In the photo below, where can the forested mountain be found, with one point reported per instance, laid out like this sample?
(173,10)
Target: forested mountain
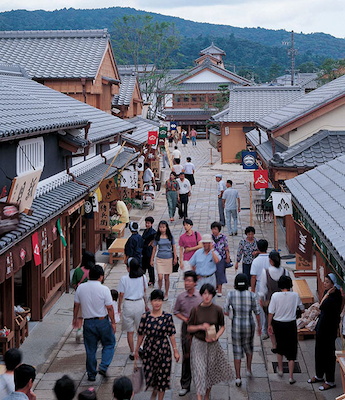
(254,52)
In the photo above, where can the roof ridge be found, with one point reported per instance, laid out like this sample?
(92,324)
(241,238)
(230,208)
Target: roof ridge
(54,33)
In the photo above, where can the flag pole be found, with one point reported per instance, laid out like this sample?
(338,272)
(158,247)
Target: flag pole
(251,203)
(275,233)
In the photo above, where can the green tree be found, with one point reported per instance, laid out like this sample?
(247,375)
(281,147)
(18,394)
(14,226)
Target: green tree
(222,97)
(149,46)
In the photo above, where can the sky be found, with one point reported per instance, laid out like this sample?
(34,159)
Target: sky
(305,16)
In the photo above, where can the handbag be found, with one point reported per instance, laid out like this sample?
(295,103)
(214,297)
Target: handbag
(137,378)
(176,266)
(229,264)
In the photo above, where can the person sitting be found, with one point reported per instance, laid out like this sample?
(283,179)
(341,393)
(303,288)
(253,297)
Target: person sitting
(12,358)
(24,376)
(64,388)
(123,388)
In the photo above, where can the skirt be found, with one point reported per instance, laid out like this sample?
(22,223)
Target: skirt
(220,272)
(164,266)
(191,179)
(209,365)
(286,336)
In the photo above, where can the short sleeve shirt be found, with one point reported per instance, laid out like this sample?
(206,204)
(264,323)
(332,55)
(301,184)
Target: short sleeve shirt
(204,264)
(230,195)
(165,248)
(185,186)
(189,241)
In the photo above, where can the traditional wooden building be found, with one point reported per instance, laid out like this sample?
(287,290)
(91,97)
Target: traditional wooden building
(192,97)
(75,145)
(302,134)
(246,106)
(79,63)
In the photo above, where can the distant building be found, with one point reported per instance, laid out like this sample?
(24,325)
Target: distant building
(305,80)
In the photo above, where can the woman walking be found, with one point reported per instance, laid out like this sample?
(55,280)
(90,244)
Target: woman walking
(221,246)
(132,288)
(326,334)
(165,249)
(282,322)
(244,304)
(209,364)
(157,331)
(171,191)
(248,250)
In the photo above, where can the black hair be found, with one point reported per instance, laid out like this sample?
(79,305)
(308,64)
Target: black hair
(175,147)
(134,227)
(134,268)
(96,272)
(88,260)
(262,245)
(241,282)
(168,232)
(275,257)
(88,394)
(229,181)
(217,225)
(146,165)
(249,229)
(284,282)
(191,274)
(22,375)
(122,388)
(157,294)
(149,219)
(188,221)
(64,388)
(12,358)
(208,287)
(188,159)
(114,294)
(177,161)
(174,173)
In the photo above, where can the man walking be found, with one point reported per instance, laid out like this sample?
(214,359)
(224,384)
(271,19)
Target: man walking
(230,197)
(148,236)
(99,322)
(193,134)
(189,243)
(189,170)
(185,302)
(220,190)
(204,262)
(176,154)
(135,243)
(183,194)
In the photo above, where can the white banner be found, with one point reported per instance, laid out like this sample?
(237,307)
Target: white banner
(281,204)
(129,179)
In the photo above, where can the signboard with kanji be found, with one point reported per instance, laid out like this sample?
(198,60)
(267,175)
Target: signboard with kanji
(109,190)
(23,189)
(304,243)
(129,179)
(103,215)
(302,264)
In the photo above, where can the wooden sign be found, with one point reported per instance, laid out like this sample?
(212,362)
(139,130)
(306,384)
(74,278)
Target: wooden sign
(302,264)
(23,189)
(103,215)
(304,243)
(109,190)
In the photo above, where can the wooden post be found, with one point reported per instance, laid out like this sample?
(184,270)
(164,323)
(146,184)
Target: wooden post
(275,232)
(211,163)
(251,204)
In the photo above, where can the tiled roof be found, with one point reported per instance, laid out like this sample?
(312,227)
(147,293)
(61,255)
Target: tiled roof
(319,194)
(198,87)
(139,135)
(263,146)
(305,105)
(316,150)
(58,107)
(128,81)
(248,104)
(304,80)
(212,50)
(56,201)
(24,112)
(55,54)
(189,111)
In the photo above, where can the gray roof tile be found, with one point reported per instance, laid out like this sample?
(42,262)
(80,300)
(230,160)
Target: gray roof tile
(320,193)
(212,49)
(55,54)
(143,126)
(128,81)
(197,87)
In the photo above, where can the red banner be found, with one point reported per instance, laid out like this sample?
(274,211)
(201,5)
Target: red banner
(152,137)
(36,249)
(261,179)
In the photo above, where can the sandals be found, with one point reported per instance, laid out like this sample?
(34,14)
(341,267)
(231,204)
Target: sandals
(326,386)
(315,379)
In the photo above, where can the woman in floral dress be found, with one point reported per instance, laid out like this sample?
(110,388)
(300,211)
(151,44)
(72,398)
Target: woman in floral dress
(248,249)
(222,247)
(157,330)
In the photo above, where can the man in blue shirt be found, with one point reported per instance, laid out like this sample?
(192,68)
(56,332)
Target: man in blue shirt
(204,262)
(134,244)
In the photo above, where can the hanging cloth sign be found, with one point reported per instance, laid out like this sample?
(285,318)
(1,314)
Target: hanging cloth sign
(152,137)
(36,249)
(261,179)
(281,204)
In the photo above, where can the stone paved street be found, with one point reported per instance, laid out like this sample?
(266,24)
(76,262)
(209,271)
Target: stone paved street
(52,346)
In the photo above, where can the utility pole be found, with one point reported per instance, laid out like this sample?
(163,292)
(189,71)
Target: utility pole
(292,52)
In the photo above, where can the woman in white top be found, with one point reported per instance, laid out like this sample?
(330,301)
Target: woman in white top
(177,167)
(282,322)
(132,288)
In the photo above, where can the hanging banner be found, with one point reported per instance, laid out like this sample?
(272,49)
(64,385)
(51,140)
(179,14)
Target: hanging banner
(261,179)
(173,126)
(163,132)
(281,204)
(304,243)
(36,249)
(129,179)
(152,137)
(249,160)
(62,236)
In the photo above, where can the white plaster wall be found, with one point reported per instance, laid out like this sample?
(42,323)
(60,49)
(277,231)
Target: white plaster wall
(206,76)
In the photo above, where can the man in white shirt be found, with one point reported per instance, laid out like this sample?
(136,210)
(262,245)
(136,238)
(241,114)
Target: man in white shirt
(220,190)
(230,198)
(176,154)
(183,194)
(99,321)
(148,176)
(189,169)
(260,263)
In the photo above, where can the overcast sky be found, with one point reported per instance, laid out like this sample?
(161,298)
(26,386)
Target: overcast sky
(299,15)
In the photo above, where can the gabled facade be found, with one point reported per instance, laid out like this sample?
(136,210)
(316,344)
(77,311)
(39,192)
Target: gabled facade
(78,63)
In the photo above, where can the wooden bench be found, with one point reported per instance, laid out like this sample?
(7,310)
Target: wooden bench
(116,250)
(301,287)
(119,229)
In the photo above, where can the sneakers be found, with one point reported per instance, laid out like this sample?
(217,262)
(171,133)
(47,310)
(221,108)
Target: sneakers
(219,295)
(264,336)
(292,381)
(131,357)
(183,392)
(249,374)
(280,373)
(91,378)
(238,382)
(103,373)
